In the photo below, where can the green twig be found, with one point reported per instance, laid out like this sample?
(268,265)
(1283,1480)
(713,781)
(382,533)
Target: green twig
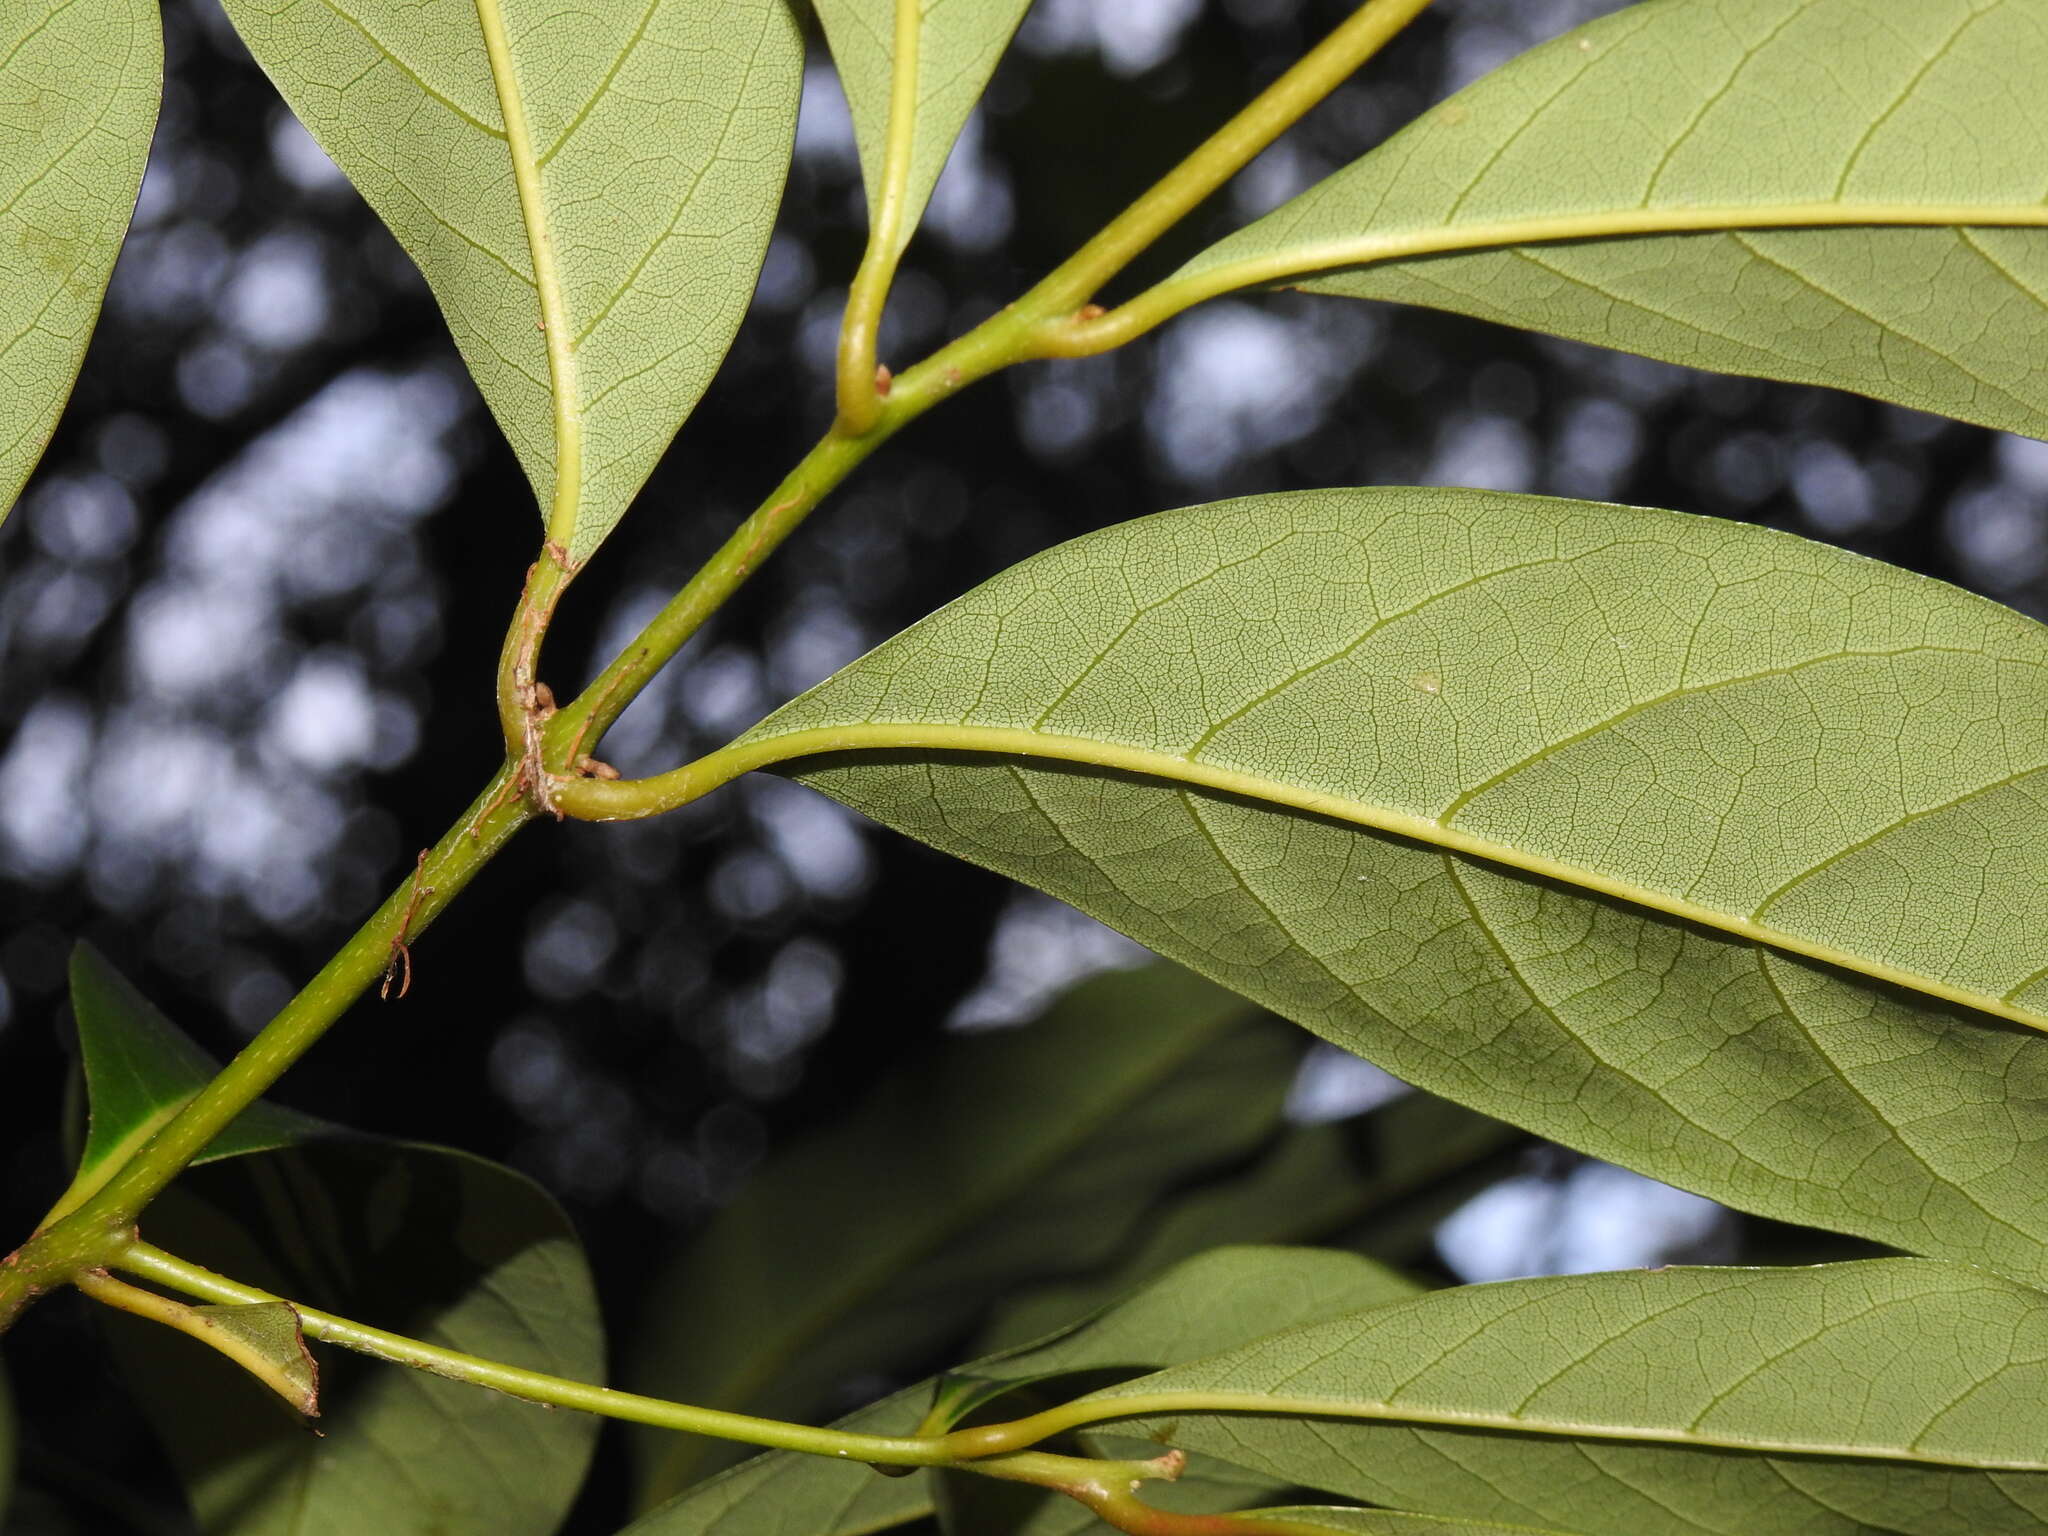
(152,1263)
(861,385)
(546,746)
(1035,326)
(89,1233)
(1222,155)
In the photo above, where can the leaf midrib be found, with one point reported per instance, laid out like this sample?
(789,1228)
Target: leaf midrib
(1103,1409)
(1015,742)
(547,280)
(1378,247)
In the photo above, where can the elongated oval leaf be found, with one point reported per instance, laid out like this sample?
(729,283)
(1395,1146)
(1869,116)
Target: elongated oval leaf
(642,171)
(1210,1303)
(958,44)
(140,1069)
(876,1241)
(79,84)
(1893,1395)
(1699,847)
(1390,1175)
(1629,183)
(429,1242)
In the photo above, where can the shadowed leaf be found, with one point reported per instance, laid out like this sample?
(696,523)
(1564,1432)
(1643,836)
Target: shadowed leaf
(881,1240)
(1354,1178)
(140,1069)
(1230,1295)
(429,1242)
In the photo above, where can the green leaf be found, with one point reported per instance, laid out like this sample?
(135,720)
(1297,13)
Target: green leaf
(1692,845)
(1887,1395)
(783,1492)
(1210,1303)
(270,1332)
(1317,1181)
(1235,1294)
(958,44)
(879,1241)
(79,84)
(426,1241)
(1225,1294)
(1628,183)
(1389,1522)
(140,1069)
(646,157)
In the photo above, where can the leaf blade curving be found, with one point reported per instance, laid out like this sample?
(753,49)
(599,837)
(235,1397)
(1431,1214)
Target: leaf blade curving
(79,85)
(1285,740)
(589,198)
(1598,189)
(1881,1395)
(958,45)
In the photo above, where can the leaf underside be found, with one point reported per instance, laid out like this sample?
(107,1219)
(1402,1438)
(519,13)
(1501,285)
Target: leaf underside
(660,138)
(79,85)
(1752,107)
(1770,735)
(959,44)
(1883,1396)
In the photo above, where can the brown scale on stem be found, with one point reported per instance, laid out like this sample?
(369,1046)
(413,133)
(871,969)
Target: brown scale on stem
(400,963)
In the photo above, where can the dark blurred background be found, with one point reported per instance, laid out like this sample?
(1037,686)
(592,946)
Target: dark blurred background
(249,609)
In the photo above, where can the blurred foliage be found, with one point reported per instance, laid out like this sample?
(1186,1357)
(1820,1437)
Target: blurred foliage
(249,610)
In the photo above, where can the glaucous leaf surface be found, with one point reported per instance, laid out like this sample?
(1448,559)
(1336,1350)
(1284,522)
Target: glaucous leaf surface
(1210,1303)
(140,1069)
(79,85)
(880,1240)
(958,45)
(1696,846)
(645,160)
(1571,187)
(1318,1180)
(1888,1395)
(429,1242)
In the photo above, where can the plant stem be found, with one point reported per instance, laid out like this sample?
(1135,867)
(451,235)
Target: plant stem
(563,389)
(1222,155)
(1034,326)
(152,1263)
(74,1240)
(1162,301)
(85,1234)
(859,386)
